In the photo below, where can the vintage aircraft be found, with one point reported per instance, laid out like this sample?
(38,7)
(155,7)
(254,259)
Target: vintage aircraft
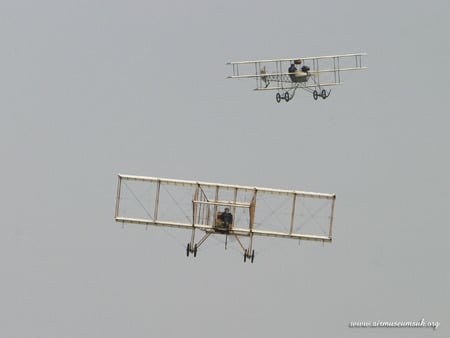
(226,210)
(311,74)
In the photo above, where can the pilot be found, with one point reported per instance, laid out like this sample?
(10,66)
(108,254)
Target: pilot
(292,68)
(227,218)
(292,71)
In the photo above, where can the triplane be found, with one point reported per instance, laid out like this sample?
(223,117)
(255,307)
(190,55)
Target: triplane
(238,212)
(312,74)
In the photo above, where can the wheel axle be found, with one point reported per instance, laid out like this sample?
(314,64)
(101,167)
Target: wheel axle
(286,97)
(323,94)
(248,255)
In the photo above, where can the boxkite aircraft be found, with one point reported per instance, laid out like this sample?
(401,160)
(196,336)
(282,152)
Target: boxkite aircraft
(215,209)
(312,74)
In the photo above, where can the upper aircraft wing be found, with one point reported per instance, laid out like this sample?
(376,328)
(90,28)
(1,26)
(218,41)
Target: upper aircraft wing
(195,205)
(273,74)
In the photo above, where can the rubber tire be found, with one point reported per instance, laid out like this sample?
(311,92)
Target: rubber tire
(286,97)
(188,249)
(278,97)
(245,255)
(195,250)
(324,94)
(253,256)
(315,94)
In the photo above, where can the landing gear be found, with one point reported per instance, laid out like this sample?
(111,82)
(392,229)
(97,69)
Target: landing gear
(286,97)
(189,250)
(248,255)
(315,94)
(323,94)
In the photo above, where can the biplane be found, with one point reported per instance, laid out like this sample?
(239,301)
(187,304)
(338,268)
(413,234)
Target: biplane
(214,209)
(312,74)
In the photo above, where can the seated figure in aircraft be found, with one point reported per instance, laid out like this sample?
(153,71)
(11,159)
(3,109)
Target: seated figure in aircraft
(305,69)
(227,218)
(296,75)
(293,70)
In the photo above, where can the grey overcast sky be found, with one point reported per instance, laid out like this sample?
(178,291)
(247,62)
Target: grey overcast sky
(90,89)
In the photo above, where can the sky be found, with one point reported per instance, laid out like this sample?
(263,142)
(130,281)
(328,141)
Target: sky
(91,89)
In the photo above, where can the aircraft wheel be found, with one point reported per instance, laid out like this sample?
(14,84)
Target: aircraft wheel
(286,97)
(315,94)
(188,249)
(324,94)
(245,255)
(253,256)
(195,250)
(278,97)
